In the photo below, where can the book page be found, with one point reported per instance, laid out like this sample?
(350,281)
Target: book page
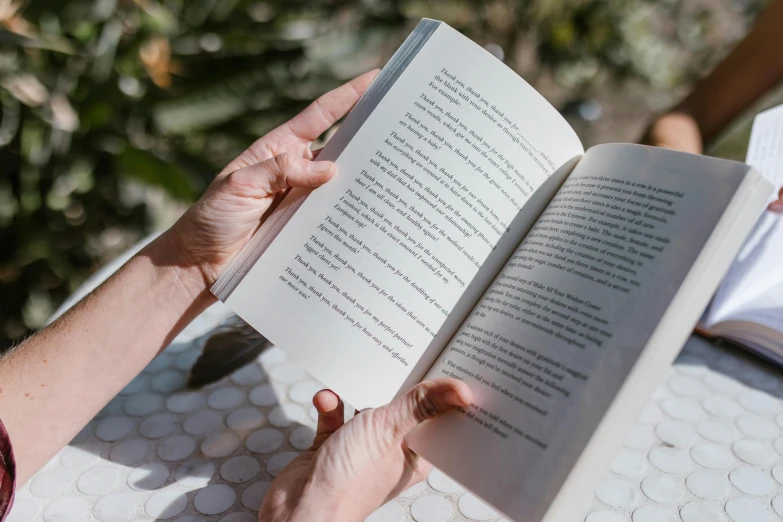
(753,288)
(547,348)
(359,282)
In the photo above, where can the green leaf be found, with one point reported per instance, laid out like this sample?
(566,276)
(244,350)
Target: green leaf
(150,169)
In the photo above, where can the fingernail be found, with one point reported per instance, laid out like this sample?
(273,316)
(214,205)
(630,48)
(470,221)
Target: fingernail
(454,399)
(320,167)
(776,206)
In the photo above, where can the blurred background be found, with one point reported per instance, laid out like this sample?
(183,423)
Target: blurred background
(116,114)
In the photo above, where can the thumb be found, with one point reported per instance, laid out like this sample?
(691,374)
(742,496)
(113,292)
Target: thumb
(282,172)
(425,401)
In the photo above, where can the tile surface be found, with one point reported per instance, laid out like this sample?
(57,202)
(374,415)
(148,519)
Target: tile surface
(707,447)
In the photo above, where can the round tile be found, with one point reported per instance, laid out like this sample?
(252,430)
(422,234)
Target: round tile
(190,518)
(264,395)
(249,375)
(285,415)
(616,493)
(670,460)
(129,452)
(389,512)
(176,447)
(220,445)
(687,386)
(661,488)
(777,474)
(143,404)
(187,359)
(700,512)
(135,386)
(254,495)
(651,414)
(97,480)
(431,508)
(227,398)
(778,445)
(756,452)
(272,356)
(148,477)
(682,409)
(473,508)
(604,516)
(759,402)
(287,373)
(241,516)
(716,431)
(23,510)
(114,507)
(65,509)
(777,505)
(779,420)
(245,419)
(112,429)
(214,499)
(240,469)
(746,510)
(707,485)
(303,392)
(639,437)
(185,402)
(628,463)
(677,433)
(652,513)
(711,455)
(161,362)
(758,427)
(277,462)
(722,384)
(53,483)
(78,457)
(158,425)
(166,504)
(203,423)
(302,437)
(169,381)
(195,473)
(264,441)
(751,481)
(720,406)
(439,481)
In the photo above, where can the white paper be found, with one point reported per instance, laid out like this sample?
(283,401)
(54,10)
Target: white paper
(752,288)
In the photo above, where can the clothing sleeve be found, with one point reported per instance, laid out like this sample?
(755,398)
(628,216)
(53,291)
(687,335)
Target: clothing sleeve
(7,473)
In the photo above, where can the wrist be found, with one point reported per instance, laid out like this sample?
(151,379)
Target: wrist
(167,254)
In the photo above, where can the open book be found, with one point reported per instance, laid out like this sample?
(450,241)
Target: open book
(468,234)
(748,307)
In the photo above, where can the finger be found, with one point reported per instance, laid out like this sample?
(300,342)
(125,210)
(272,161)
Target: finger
(330,412)
(281,172)
(326,110)
(425,401)
(776,206)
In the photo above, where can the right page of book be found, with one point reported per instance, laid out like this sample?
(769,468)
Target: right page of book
(753,288)
(547,348)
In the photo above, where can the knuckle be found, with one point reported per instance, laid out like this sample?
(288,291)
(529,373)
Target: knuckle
(424,407)
(285,161)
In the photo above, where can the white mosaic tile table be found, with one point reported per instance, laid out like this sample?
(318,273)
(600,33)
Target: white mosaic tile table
(708,447)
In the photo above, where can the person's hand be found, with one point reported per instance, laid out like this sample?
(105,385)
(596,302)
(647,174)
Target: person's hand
(676,131)
(777,205)
(213,230)
(352,468)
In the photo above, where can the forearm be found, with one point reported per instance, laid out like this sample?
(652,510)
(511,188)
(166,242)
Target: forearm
(750,70)
(57,380)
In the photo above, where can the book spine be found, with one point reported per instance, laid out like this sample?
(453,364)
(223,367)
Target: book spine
(261,240)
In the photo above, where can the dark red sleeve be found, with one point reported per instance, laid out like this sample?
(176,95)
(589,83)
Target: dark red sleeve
(7,473)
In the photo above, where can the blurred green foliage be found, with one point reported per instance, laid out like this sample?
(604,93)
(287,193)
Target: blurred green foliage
(112,111)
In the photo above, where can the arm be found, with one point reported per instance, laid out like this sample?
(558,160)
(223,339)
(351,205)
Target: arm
(750,70)
(56,381)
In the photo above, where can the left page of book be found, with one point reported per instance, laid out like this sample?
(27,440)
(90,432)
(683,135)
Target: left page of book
(357,284)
